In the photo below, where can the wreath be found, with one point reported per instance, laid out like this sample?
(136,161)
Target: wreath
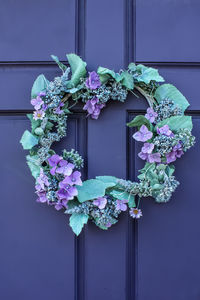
(164,131)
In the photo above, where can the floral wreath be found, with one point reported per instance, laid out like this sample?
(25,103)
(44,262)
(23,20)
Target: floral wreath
(164,131)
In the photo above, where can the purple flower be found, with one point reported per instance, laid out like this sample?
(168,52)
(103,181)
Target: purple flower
(74,178)
(135,213)
(58,205)
(176,152)
(93,107)
(100,202)
(42,197)
(151,114)
(165,131)
(58,110)
(147,148)
(151,158)
(121,204)
(109,224)
(37,102)
(54,160)
(66,192)
(154,157)
(42,180)
(143,134)
(65,168)
(38,115)
(93,81)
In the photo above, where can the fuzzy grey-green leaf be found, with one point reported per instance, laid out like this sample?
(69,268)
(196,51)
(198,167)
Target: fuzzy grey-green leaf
(33,163)
(177,122)
(39,85)
(28,140)
(147,74)
(91,189)
(78,67)
(77,221)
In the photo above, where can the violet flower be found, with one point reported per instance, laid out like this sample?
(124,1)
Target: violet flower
(93,107)
(66,192)
(151,158)
(165,131)
(100,202)
(38,115)
(151,114)
(42,197)
(58,110)
(147,148)
(143,134)
(42,180)
(37,102)
(54,160)
(65,168)
(93,81)
(176,152)
(121,204)
(42,94)
(73,179)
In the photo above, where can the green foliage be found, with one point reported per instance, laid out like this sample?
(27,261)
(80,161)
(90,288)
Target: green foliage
(138,121)
(78,67)
(132,67)
(39,85)
(123,195)
(61,65)
(34,123)
(168,91)
(34,165)
(109,181)
(91,189)
(127,80)
(146,74)
(105,74)
(177,122)
(28,140)
(77,221)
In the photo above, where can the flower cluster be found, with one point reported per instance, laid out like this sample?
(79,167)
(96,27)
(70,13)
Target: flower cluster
(39,106)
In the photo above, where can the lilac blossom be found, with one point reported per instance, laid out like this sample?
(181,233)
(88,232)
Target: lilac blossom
(147,148)
(58,110)
(59,205)
(64,167)
(109,224)
(38,115)
(66,192)
(176,152)
(121,204)
(42,198)
(42,179)
(74,178)
(151,114)
(151,158)
(93,81)
(93,107)
(100,202)
(37,102)
(143,134)
(54,160)
(135,213)
(42,94)
(165,131)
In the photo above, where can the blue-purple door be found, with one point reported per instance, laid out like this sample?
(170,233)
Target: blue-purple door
(156,258)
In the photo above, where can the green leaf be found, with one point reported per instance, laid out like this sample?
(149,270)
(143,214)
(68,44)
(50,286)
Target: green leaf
(105,74)
(127,80)
(77,222)
(33,163)
(131,202)
(138,121)
(177,122)
(34,123)
(132,67)
(91,189)
(170,170)
(61,65)
(168,91)
(121,195)
(109,181)
(28,140)
(146,74)
(39,85)
(78,67)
